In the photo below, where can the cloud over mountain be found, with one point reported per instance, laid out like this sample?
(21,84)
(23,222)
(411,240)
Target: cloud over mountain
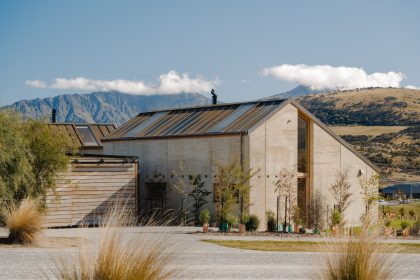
(320,77)
(170,83)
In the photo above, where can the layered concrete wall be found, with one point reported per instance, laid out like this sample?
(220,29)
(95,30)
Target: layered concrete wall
(272,147)
(331,157)
(199,155)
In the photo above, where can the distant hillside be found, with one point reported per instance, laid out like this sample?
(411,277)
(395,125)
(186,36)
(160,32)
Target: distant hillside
(379,106)
(382,123)
(103,107)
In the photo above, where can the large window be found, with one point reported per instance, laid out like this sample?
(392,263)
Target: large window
(302,198)
(303,145)
(156,195)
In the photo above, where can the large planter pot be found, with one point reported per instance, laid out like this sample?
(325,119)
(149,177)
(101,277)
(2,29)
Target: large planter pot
(242,229)
(224,227)
(205,228)
(405,232)
(296,228)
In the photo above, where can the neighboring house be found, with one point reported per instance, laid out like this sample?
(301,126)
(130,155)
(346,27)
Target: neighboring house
(401,191)
(265,135)
(93,182)
(86,136)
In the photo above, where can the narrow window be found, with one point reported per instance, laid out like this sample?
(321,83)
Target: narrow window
(87,136)
(302,145)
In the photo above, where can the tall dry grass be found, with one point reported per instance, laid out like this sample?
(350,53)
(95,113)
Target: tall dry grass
(23,220)
(119,254)
(359,257)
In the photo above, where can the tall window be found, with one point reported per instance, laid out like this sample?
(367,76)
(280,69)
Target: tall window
(302,145)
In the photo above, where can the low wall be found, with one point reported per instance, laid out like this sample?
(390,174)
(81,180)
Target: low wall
(88,188)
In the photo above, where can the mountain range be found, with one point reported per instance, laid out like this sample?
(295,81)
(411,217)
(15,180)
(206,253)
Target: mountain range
(102,107)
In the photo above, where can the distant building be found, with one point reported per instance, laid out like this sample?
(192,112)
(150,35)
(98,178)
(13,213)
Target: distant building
(265,135)
(401,191)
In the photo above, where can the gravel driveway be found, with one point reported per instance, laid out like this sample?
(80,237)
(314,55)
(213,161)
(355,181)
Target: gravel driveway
(199,260)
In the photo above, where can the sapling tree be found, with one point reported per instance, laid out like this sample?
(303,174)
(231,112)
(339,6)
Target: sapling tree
(286,187)
(199,193)
(369,192)
(227,194)
(181,187)
(340,190)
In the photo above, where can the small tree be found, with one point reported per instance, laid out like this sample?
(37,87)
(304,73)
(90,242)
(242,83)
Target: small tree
(317,210)
(199,194)
(227,179)
(286,187)
(369,192)
(181,188)
(340,191)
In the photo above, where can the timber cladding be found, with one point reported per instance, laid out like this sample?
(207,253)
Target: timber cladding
(88,188)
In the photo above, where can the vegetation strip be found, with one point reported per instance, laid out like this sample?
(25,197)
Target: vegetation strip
(305,246)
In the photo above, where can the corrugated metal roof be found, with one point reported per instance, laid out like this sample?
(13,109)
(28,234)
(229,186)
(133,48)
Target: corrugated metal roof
(85,135)
(203,120)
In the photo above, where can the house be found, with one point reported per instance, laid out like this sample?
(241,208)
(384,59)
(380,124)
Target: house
(265,135)
(401,191)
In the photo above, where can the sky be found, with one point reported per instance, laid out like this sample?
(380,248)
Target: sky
(244,49)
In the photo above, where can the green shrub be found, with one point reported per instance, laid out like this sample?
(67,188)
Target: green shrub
(404,225)
(412,213)
(252,224)
(336,218)
(205,216)
(243,218)
(387,223)
(271,221)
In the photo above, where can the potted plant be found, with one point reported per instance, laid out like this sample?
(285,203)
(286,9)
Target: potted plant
(271,221)
(231,221)
(243,219)
(336,219)
(296,218)
(204,219)
(253,223)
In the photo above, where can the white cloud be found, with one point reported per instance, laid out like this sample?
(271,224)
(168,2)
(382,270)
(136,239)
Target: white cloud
(321,77)
(412,87)
(170,83)
(36,84)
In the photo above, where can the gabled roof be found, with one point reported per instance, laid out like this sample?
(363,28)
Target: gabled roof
(231,118)
(85,136)
(220,119)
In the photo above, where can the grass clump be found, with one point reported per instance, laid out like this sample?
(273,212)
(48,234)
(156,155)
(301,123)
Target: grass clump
(23,221)
(119,256)
(357,258)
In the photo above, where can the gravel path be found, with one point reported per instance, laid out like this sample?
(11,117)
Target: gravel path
(198,260)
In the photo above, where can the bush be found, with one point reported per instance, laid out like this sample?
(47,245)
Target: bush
(271,221)
(404,225)
(243,218)
(387,223)
(412,213)
(23,221)
(115,257)
(357,258)
(252,224)
(336,218)
(205,216)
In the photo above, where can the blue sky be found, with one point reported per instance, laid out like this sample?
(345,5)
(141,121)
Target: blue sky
(221,44)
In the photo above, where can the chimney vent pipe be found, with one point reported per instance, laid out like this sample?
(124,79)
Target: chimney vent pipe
(214,97)
(54,116)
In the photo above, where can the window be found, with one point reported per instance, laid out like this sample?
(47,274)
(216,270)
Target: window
(302,198)
(87,136)
(302,145)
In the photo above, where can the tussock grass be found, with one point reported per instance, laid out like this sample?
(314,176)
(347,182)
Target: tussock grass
(357,258)
(119,255)
(23,221)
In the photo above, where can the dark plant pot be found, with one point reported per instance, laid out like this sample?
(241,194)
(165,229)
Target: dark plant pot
(242,229)
(224,227)
(289,229)
(205,228)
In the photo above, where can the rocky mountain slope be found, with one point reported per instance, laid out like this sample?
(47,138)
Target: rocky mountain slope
(103,107)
